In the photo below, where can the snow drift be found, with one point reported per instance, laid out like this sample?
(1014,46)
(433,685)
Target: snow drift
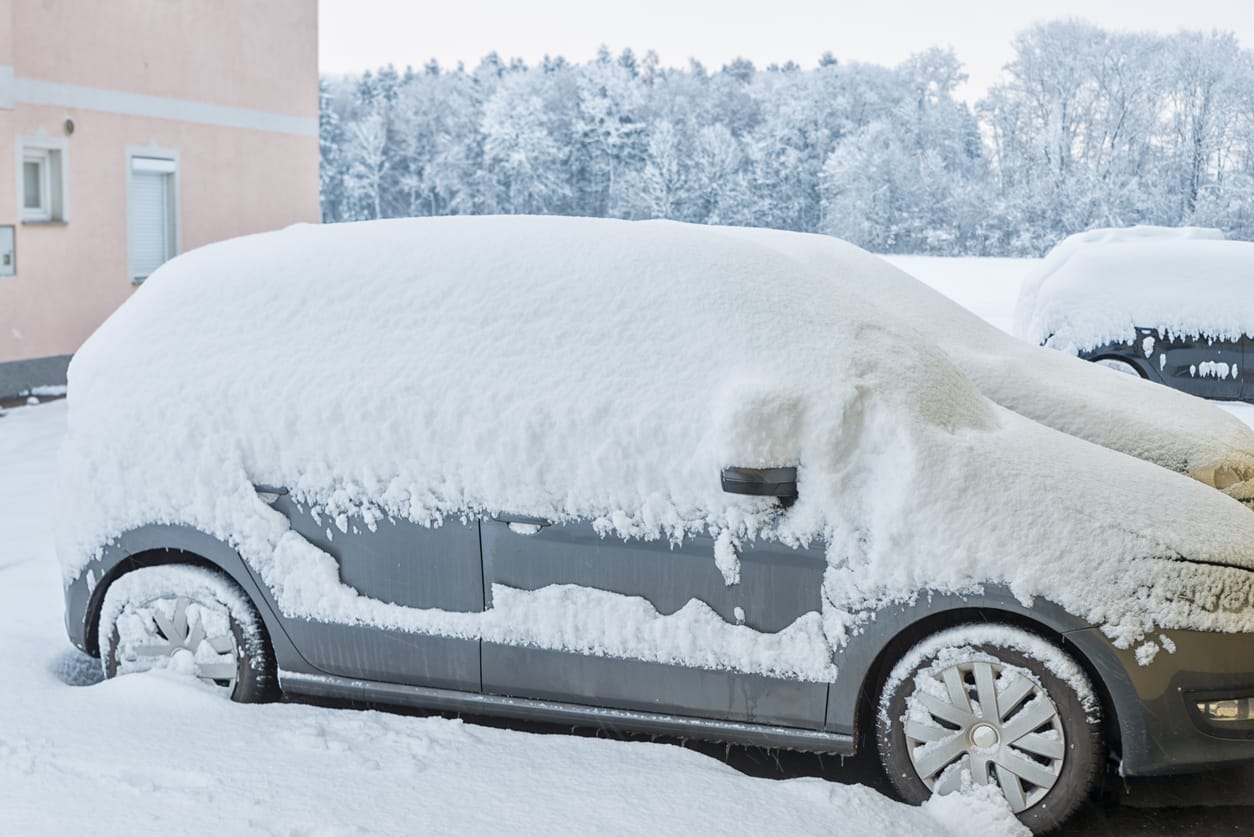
(606,370)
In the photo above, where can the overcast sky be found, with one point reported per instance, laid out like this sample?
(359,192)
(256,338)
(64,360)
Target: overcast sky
(359,34)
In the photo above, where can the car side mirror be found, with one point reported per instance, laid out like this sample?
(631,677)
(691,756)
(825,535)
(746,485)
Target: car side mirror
(762,482)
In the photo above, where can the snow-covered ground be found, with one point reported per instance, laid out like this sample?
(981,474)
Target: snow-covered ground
(151,753)
(988,287)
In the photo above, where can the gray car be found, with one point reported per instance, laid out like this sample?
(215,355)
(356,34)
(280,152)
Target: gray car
(742,635)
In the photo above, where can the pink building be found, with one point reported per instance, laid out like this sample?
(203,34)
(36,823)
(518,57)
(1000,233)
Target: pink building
(131,131)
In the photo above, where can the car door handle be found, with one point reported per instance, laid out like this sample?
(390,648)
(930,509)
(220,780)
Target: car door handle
(521,519)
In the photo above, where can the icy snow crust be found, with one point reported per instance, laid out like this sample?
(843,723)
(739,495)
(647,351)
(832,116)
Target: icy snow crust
(605,370)
(1083,399)
(1098,287)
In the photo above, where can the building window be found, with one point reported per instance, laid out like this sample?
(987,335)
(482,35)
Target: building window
(41,186)
(153,221)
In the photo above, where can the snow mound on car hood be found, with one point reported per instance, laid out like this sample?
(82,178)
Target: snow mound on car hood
(1115,411)
(1098,287)
(591,369)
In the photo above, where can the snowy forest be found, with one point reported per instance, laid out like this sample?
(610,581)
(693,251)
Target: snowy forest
(1085,128)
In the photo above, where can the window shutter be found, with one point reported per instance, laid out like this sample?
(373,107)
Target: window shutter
(150,222)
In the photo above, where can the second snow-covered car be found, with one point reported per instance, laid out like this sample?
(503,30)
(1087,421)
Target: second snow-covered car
(1174,306)
(639,476)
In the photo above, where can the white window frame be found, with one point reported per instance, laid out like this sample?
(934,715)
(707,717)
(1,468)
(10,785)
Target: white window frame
(162,161)
(52,157)
(42,160)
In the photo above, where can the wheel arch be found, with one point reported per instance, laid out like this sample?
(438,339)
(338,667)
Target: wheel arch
(161,545)
(130,563)
(904,627)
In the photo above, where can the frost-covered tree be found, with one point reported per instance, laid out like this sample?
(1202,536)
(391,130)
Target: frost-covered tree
(525,162)
(331,166)
(658,189)
(367,166)
(609,134)
(1085,127)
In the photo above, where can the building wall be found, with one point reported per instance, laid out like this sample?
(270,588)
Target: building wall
(230,86)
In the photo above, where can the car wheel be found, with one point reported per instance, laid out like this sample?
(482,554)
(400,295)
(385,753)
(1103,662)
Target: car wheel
(191,620)
(989,704)
(1119,366)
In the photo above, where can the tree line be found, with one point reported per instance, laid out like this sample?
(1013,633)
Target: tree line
(1085,128)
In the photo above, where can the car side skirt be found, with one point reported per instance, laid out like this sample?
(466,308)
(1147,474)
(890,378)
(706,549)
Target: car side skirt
(526,709)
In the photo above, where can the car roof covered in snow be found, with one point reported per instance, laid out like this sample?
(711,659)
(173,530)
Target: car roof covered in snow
(557,365)
(1098,287)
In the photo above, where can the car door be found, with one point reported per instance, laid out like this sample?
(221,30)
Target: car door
(401,563)
(776,586)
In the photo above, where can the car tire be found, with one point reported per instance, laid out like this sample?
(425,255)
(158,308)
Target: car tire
(191,619)
(1041,747)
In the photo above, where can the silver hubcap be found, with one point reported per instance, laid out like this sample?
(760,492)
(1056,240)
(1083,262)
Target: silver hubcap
(990,719)
(175,628)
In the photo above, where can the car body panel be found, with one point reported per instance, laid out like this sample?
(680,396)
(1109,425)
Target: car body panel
(652,687)
(596,717)
(368,652)
(777,585)
(1157,734)
(402,563)
(1206,367)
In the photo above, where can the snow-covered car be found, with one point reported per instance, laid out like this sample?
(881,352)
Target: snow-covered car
(1173,306)
(643,476)
(1081,399)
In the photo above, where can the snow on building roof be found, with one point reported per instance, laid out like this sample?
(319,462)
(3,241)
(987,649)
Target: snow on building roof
(1098,287)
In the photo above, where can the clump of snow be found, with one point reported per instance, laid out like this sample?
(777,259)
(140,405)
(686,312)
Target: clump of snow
(1146,652)
(1214,369)
(727,558)
(1123,413)
(48,391)
(977,810)
(1099,287)
(607,371)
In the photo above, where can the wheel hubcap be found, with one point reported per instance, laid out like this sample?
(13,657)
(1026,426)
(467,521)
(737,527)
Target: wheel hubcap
(984,736)
(992,720)
(181,633)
